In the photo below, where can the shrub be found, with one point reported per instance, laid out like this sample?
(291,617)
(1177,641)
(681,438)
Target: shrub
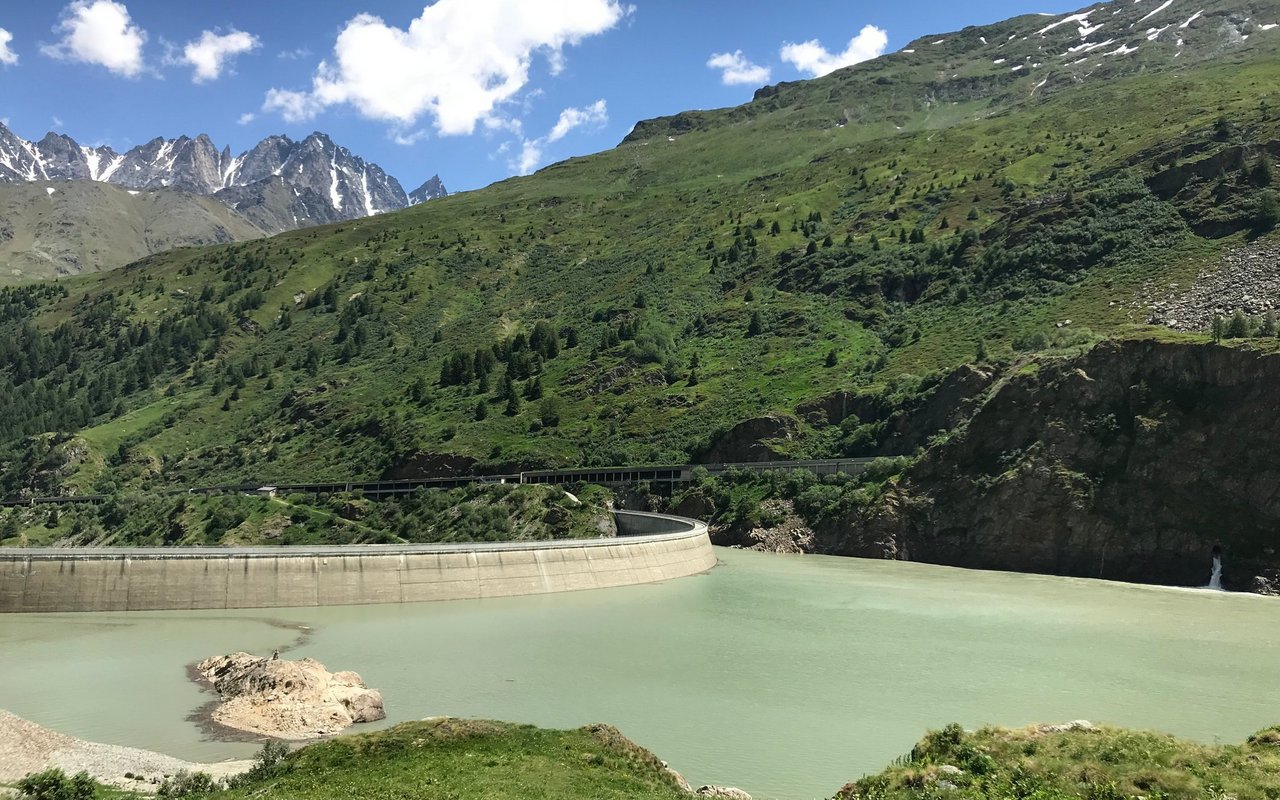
(53,784)
(186,784)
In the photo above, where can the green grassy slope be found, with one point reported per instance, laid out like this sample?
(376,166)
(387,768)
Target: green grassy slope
(828,236)
(478,513)
(475,759)
(469,760)
(1048,762)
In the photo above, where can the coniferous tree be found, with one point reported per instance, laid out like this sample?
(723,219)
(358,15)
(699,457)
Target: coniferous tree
(756,325)
(1238,327)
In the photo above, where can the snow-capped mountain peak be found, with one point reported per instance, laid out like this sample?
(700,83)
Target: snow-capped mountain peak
(326,181)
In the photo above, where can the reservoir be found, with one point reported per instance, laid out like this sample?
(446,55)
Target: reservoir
(786,676)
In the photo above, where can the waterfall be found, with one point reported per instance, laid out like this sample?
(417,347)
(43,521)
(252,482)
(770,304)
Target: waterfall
(1215,577)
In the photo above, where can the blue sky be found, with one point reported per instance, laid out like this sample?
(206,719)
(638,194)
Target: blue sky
(476,90)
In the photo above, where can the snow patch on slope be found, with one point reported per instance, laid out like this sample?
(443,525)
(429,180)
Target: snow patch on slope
(1157,10)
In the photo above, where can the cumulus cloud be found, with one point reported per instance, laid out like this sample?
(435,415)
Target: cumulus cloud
(813,58)
(246,118)
(530,156)
(736,69)
(595,115)
(456,62)
(213,51)
(99,32)
(7,56)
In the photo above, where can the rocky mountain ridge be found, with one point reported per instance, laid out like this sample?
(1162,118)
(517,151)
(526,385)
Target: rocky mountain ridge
(976,71)
(278,185)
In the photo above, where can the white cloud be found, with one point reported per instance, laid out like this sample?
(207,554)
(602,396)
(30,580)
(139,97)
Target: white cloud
(596,114)
(530,156)
(57,121)
(246,118)
(294,55)
(7,56)
(213,51)
(813,58)
(736,69)
(293,106)
(99,32)
(408,138)
(456,62)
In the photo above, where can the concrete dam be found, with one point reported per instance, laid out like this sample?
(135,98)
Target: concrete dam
(649,548)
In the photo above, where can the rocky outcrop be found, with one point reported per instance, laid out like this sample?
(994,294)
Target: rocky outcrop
(288,699)
(1135,461)
(907,424)
(780,530)
(751,440)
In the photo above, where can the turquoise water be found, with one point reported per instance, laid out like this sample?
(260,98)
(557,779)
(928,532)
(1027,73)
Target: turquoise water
(787,676)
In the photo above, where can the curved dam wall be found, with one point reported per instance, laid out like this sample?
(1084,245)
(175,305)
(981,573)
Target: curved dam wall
(650,547)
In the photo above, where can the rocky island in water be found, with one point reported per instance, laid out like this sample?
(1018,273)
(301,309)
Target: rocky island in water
(288,699)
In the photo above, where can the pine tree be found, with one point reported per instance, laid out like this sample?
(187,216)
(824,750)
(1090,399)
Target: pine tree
(832,358)
(482,410)
(1238,327)
(533,391)
(1219,327)
(513,405)
(756,325)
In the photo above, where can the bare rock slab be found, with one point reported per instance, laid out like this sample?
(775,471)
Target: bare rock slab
(288,699)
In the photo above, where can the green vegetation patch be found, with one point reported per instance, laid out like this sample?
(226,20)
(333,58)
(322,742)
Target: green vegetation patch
(478,513)
(1076,760)
(466,760)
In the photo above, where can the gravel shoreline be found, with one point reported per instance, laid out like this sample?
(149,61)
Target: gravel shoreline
(26,747)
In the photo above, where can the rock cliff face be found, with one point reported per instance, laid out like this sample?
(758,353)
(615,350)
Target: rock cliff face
(1135,461)
(288,699)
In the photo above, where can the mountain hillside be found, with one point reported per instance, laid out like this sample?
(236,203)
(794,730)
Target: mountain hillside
(702,290)
(55,228)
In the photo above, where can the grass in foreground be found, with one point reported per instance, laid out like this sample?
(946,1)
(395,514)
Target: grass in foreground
(468,760)
(1082,761)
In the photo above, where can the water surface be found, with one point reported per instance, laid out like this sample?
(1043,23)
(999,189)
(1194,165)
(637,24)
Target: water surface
(787,676)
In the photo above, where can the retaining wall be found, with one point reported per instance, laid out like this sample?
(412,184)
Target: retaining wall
(652,548)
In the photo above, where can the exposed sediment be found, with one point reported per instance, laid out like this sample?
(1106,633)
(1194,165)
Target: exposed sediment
(26,747)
